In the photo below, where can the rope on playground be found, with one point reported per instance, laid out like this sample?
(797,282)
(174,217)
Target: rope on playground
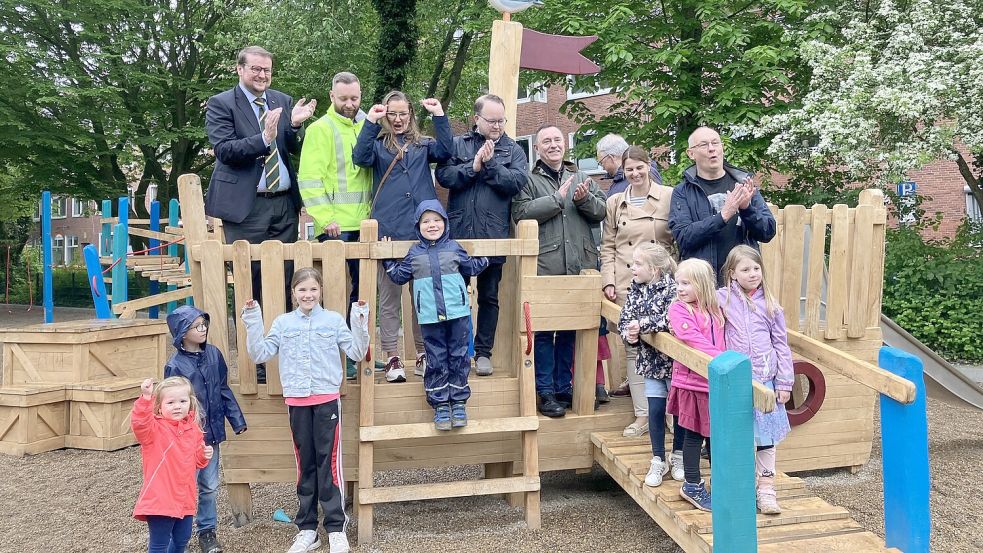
(527,311)
(92,284)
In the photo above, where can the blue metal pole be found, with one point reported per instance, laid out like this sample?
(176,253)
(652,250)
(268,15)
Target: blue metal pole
(904,443)
(96,285)
(173,211)
(732,471)
(48,301)
(123,212)
(107,229)
(121,239)
(154,243)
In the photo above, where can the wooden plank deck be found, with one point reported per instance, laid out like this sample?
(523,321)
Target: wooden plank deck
(807,523)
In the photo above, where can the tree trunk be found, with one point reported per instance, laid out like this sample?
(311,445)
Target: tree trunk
(455,76)
(396,50)
(971,180)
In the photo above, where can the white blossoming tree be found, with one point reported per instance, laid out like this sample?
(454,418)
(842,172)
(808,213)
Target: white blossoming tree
(900,85)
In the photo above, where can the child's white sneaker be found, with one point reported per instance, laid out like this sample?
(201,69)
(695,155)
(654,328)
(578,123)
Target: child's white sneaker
(676,466)
(306,540)
(657,469)
(338,542)
(421,365)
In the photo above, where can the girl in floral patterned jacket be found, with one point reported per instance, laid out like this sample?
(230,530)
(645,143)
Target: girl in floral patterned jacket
(646,310)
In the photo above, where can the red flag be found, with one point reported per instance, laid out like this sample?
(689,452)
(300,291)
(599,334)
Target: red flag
(556,53)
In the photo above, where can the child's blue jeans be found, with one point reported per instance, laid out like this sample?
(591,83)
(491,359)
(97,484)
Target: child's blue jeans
(169,534)
(209,480)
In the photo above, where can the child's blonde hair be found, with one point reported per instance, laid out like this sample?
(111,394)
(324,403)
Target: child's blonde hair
(177,382)
(656,257)
(734,258)
(700,274)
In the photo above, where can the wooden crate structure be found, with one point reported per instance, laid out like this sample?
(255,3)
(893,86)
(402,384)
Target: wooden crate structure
(72,384)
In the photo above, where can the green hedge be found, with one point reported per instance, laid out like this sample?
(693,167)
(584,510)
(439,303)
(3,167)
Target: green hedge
(69,286)
(934,290)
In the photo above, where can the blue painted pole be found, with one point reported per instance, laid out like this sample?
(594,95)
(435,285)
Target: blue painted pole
(48,300)
(173,211)
(123,212)
(121,240)
(732,442)
(107,229)
(904,443)
(96,285)
(154,243)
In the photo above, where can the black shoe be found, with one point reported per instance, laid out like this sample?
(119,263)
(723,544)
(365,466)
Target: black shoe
(601,394)
(208,543)
(565,399)
(261,373)
(548,406)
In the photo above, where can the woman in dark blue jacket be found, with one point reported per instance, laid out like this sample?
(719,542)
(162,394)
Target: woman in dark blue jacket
(391,145)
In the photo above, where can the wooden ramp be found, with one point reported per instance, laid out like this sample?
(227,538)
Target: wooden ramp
(807,524)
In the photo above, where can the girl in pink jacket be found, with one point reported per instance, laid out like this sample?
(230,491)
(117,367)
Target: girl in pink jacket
(696,319)
(165,420)
(756,327)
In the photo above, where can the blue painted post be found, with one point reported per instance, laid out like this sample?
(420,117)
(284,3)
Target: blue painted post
(96,285)
(904,443)
(121,239)
(48,300)
(123,212)
(107,229)
(732,443)
(173,210)
(154,243)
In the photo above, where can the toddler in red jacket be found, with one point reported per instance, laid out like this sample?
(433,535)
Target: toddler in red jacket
(165,420)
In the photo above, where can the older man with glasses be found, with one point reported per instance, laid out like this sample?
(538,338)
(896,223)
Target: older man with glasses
(717,206)
(611,149)
(487,169)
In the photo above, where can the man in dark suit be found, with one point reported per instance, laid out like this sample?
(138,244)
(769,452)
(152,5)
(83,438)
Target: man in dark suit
(253,188)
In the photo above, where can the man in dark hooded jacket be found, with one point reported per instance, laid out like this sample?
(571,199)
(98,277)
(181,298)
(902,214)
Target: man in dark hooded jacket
(204,366)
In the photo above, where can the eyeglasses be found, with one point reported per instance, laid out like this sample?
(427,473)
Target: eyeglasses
(706,145)
(494,122)
(601,161)
(203,327)
(398,115)
(257,70)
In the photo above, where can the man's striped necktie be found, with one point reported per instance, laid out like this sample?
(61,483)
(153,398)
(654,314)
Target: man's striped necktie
(272,166)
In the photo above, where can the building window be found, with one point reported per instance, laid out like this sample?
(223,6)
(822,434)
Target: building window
(585,87)
(588,165)
(972,206)
(308,231)
(534,92)
(78,207)
(58,250)
(525,142)
(59,208)
(72,251)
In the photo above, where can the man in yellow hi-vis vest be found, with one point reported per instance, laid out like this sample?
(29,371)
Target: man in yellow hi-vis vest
(336,192)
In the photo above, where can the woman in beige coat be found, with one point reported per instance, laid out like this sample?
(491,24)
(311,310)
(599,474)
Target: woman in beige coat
(639,214)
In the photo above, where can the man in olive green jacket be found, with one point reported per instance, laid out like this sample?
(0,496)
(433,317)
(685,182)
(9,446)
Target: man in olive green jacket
(566,203)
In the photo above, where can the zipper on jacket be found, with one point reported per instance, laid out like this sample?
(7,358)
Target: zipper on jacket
(418,312)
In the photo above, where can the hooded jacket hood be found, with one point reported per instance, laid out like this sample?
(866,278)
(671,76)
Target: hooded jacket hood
(179,322)
(432,205)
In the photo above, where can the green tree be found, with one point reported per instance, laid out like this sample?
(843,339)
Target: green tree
(679,64)
(897,86)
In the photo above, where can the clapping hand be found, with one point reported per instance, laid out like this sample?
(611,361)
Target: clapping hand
(565,188)
(485,153)
(302,112)
(377,112)
(432,105)
(749,190)
(269,128)
(581,191)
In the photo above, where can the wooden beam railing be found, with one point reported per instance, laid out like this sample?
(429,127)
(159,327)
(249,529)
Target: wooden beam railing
(395,250)
(695,360)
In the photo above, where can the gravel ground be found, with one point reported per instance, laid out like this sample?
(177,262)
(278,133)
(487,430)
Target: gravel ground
(74,501)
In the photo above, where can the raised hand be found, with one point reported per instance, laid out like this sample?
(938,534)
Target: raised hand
(377,112)
(250,304)
(432,105)
(147,388)
(272,119)
(302,111)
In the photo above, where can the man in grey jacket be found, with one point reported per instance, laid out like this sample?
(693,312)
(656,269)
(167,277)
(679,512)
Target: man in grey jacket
(566,203)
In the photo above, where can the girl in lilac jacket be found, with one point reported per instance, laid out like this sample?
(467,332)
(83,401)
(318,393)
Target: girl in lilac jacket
(695,319)
(755,326)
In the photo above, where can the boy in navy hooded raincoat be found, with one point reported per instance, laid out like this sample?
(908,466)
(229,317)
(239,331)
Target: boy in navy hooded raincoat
(437,266)
(204,366)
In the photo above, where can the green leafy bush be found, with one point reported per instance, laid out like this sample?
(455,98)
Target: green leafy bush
(934,289)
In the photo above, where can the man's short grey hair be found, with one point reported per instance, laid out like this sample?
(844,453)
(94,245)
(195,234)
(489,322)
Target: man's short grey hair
(344,77)
(613,145)
(252,50)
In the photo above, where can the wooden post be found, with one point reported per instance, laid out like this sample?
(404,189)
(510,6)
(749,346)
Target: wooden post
(195,229)
(503,67)
(528,230)
(241,503)
(904,440)
(242,292)
(367,283)
(732,471)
